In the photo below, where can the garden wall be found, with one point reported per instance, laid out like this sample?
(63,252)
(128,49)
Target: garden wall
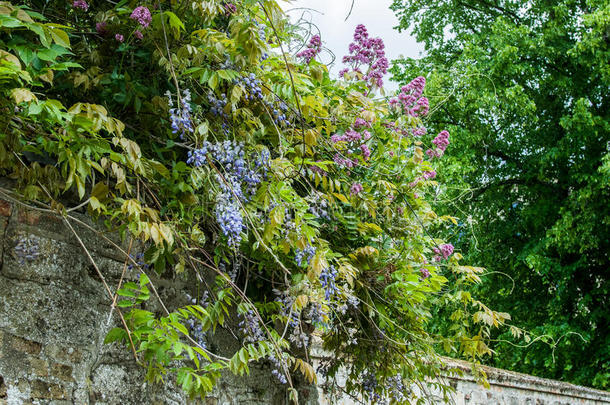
(54,314)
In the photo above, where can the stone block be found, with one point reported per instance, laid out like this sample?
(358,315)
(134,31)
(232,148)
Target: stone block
(5,208)
(28,217)
(26,346)
(64,354)
(62,371)
(39,366)
(44,390)
(2,388)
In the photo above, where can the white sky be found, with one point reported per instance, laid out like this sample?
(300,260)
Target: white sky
(329,16)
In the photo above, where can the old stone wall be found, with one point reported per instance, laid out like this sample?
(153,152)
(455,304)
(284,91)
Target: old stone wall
(506,388)
(54,315)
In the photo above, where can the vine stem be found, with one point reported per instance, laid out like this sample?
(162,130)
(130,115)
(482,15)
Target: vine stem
(294,89)
(99,273)
(151,285)
(118,248)
(258,237)
(245,298)
(116,296)
(101,276)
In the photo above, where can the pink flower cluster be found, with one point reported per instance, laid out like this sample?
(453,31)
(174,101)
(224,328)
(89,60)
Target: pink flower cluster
(351,136)
(443,252)
(230,8)
(101,28)
(313,49)
(361,123)
(441,142)
(82,4)
(368,52)
(356,189)
(426,175)
(419,131)
(319,170)
(410,97)
(425,273)
(392,126)
(429,175)
(354,139)
(142,16)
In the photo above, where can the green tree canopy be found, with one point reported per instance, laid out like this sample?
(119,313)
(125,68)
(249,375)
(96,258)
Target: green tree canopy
(522,86)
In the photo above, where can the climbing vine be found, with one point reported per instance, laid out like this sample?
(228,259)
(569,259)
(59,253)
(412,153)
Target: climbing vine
(299,202)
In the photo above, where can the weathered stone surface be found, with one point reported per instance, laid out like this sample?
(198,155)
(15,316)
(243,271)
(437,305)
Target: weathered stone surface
(55,313)
(40,367)
(5,208)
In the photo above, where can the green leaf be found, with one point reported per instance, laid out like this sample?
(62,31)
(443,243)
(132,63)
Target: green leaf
(115,334)
(125,303)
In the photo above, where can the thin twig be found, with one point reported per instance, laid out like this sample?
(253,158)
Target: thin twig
(101,276)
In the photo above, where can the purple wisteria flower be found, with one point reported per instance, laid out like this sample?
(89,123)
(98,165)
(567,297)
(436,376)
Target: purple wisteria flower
(250,328)
(356,189)
(327,280)
(369,53)
(101,28)
(313,49)
(411,100)
(82,4)
(441,142)
(443,252)
(429,175)
(308,253)
(119,37)
(239,181)
(181,116)
(142,16)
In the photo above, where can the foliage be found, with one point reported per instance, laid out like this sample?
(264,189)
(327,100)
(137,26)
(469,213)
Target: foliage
(523,89)
(297,202)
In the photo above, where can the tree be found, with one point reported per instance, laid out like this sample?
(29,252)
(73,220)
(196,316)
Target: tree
(522,86)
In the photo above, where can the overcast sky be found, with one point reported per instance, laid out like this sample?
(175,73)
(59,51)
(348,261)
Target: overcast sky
(329,16)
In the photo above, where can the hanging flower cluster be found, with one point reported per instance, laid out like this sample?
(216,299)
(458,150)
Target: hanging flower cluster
(233,174)
(180,116)
(82,4)
(142,16)
(367,53)
(443,252)
(351,141)
(307,253)
(327,280)
(313,49)
(441,142)
(411,100)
